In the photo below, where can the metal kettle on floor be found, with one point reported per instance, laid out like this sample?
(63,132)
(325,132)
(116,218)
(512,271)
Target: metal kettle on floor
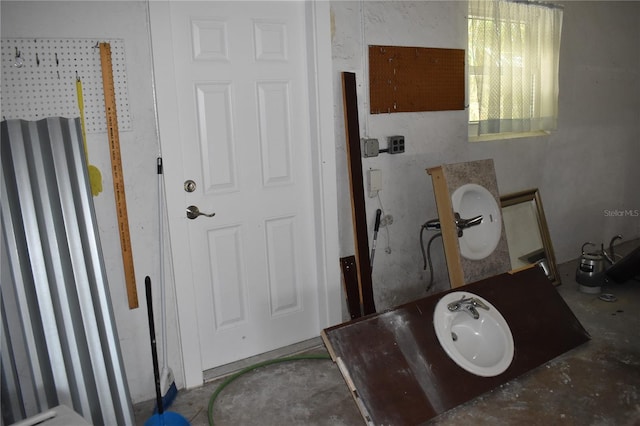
(590,273)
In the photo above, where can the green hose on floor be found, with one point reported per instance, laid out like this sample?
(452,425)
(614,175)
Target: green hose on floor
(234,376)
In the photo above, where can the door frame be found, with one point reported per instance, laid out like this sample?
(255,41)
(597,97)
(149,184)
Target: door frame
(324,175)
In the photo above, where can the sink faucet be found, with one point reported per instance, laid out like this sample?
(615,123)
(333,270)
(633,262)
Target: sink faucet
(466,223)
(468,305)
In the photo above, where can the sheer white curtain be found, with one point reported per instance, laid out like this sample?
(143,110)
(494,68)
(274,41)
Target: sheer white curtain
(513,65)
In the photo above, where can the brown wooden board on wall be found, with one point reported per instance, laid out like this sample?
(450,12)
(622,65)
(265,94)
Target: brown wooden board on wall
(412,79)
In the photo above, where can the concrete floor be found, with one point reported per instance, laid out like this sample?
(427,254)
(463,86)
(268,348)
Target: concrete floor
(597,383)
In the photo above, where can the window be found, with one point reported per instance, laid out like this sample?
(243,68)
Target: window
(513,57)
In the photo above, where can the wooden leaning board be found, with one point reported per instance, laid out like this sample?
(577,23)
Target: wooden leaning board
(399,374)
(358,210)
(350,281)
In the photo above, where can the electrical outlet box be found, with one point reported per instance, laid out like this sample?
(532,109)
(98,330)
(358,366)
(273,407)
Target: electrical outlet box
(386,220)
(375,182)
(396,144)
(370,147)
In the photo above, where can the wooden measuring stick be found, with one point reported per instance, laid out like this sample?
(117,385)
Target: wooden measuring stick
(118,177)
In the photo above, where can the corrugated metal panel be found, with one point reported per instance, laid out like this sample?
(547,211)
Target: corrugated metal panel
(59,341)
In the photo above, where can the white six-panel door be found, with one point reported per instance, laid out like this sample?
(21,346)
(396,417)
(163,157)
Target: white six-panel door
(243,120)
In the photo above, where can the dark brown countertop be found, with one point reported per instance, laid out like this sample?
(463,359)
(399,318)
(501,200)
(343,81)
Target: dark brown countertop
(402,376)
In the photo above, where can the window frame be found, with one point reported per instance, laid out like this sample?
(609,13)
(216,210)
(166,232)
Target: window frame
(472,125)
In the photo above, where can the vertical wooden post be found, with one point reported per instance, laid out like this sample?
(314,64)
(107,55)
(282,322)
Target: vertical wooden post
(447,226)
(358,211)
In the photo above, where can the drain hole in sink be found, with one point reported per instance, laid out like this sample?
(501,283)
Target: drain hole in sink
(454,336)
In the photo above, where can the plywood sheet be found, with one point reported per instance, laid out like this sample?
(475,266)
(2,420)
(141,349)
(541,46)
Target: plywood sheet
(399,373)
(410,79)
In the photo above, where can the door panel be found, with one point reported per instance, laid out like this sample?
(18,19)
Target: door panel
(216,137)
(275,139)
(228,284)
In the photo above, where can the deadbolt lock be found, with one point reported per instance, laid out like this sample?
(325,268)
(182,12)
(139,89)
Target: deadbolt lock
(189,185)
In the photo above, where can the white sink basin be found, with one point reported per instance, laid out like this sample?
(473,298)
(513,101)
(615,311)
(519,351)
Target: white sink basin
(482,346)
(478,241)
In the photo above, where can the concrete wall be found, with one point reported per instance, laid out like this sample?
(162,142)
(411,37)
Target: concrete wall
(588,167)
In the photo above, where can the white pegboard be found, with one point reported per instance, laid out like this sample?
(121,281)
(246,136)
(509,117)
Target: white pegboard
(39,80)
